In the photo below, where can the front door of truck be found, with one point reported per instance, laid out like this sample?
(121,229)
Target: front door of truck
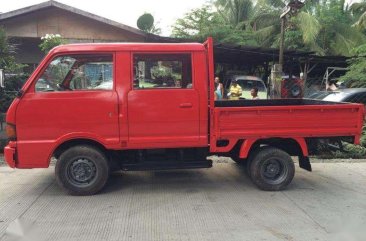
(73,97)
(163,105)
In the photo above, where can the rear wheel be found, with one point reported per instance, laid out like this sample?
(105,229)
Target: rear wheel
(82,170)
(271,169)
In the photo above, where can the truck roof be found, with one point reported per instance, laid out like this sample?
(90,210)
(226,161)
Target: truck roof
(100,47)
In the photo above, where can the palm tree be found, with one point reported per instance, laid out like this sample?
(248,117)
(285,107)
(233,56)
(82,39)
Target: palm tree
(323,26)
(359,11)
(235,12)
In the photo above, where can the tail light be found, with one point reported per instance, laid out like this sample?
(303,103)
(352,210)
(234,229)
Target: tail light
(11,132)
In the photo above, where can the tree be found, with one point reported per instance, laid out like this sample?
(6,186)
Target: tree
(236,13)
(202,22)
(355,76)
(7,52)
(322,26)
(334,35)
(49,41)
(146,23)
(358,9)
(9,65)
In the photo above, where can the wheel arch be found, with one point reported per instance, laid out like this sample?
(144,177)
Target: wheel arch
(77,141)
(294,146)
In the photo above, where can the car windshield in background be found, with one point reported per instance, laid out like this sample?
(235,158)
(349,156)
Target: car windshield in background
(319,95)
(249,84)
(354,95)
(336,96)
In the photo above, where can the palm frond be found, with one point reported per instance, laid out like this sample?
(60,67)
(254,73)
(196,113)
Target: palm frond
(265,33)
(309,26)
(361,22)
(346,39)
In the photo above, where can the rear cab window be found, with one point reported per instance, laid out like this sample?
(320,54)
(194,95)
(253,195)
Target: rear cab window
(162,71)
(77,73)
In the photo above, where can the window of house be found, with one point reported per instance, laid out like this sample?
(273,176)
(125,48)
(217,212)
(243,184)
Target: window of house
(77,72)
(157,71)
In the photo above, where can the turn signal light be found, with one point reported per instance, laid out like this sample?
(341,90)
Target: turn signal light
(10,132)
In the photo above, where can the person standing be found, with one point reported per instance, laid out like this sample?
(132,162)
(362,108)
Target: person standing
(219,89)
(235,90)
(254,93)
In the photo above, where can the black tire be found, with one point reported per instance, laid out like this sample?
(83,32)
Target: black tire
(251,156)
(271,169)
(82,170)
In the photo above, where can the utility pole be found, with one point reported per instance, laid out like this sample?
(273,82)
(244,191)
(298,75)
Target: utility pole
(292,8)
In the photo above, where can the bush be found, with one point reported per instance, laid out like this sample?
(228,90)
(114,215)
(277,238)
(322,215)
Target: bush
(350,151)
(12,85)
(49,41)
(363,137)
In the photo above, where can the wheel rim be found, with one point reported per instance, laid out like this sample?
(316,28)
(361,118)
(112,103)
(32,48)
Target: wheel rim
(274,171)
(82,172)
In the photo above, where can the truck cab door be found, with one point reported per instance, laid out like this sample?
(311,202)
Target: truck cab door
(74,97)
(163,105)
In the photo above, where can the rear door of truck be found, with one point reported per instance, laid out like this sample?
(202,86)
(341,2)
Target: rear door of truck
(163,103)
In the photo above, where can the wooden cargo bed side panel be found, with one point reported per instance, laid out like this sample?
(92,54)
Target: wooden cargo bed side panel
(288,121)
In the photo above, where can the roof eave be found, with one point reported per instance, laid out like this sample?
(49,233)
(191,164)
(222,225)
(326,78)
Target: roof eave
(65,7)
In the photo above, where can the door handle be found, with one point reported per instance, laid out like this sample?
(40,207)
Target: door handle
(186,105)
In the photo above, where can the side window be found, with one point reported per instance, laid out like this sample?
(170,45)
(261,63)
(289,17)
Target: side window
(77,72)
(157,71)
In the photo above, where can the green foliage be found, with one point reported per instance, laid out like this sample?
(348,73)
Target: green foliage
(324,27)
(49,41)
(356,75)
(363,137)
(358,9)
(351,151)
(13,79)
(146,23)
(7,51)
(203,22)
(12,85)
(236,13)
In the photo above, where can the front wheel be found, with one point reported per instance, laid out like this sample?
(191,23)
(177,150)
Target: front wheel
(271,169)
(82,170)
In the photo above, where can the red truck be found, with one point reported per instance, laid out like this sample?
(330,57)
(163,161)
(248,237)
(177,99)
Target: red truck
(98,108)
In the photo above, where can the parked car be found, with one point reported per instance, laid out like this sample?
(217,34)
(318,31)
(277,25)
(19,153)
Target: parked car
(247,82)
(318,95)
(354,95)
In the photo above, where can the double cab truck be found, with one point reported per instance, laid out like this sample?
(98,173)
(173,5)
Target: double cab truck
(98,108)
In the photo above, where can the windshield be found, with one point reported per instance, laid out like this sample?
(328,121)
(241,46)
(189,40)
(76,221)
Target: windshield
(336,96)
(319,95)
(77,72)
(249,84)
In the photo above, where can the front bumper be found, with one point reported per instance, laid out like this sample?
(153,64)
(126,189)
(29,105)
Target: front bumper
(9,154)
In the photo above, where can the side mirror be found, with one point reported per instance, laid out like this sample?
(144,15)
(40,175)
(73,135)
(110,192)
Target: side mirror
(2,78)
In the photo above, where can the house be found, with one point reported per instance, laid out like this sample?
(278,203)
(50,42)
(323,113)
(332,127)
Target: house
(26,26)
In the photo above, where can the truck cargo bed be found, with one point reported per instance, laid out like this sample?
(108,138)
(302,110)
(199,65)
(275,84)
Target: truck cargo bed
(244,119)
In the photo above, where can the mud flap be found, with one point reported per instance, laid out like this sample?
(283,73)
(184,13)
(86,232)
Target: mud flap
(304,162)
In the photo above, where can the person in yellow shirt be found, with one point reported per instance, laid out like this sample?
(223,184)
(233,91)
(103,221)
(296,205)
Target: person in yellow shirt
(235,90)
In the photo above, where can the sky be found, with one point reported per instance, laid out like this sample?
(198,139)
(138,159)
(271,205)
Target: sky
(165,12)
(126,12)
